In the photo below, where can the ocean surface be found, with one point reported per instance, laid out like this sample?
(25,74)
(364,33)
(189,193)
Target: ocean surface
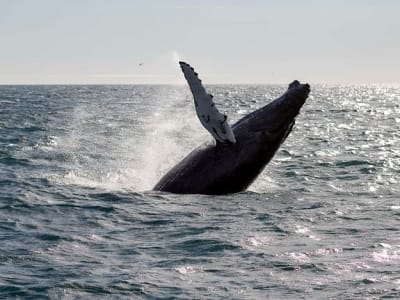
(78,218)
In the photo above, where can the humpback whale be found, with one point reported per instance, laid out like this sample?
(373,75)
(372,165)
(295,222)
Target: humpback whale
(231,162)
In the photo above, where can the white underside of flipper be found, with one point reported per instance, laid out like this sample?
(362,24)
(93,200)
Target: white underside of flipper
(209,116)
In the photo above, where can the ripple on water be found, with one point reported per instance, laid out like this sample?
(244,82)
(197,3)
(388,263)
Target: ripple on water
(320,222)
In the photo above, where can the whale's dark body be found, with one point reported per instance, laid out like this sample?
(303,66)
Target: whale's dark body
(217,168)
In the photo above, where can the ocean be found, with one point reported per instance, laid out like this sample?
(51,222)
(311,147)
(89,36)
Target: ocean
(78,219)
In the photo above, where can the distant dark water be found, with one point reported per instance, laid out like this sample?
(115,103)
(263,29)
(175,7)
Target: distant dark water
(77,219)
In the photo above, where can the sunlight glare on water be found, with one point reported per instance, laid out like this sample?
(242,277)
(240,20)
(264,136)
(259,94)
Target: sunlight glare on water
(78,219)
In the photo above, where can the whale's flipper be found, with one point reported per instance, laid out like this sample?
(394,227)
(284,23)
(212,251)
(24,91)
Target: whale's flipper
(212,120)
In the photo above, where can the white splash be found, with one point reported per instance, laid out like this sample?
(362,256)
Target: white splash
(298,257)
(302,230)
(387,255)
(104,151)
(306,232)
(327,251)
(166,141)
(185,270)
(258,242)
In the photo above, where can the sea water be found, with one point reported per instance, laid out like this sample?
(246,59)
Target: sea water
(78,218)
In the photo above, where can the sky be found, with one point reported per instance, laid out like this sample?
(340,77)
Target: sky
(226,41)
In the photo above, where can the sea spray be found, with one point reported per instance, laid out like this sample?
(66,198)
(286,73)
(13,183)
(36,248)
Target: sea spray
(67,240)
(170,131)
(148,131)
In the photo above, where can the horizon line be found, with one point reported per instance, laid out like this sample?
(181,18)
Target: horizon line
(209,84)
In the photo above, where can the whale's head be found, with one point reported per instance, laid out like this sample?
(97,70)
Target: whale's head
(272,123)
(279,114)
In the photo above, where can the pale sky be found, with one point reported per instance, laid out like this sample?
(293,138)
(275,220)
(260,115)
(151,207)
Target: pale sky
(227,41)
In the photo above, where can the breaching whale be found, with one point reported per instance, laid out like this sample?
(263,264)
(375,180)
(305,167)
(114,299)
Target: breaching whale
(239,154)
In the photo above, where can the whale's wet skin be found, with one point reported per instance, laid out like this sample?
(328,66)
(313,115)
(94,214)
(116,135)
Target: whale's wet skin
(321,221)
(239,154)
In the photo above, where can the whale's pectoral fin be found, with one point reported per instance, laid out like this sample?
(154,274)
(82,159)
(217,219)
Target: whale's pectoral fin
(209,116)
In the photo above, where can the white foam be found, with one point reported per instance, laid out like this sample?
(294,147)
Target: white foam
(306,232)
(328,251)
(299,257)
(185,270)
(302,229)
(387,255)
(258,241)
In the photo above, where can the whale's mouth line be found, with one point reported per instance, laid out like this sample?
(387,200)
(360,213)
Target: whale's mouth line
(282,131)
(278,125)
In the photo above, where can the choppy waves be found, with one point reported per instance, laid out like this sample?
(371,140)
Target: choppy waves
(77,218)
